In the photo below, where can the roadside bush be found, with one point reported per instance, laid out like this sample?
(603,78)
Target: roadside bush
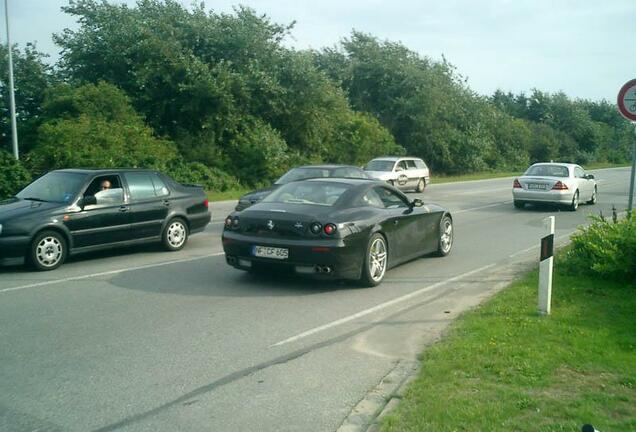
(604,249)
(13,175)
(212,179)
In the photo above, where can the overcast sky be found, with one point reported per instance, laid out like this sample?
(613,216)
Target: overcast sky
(582,47)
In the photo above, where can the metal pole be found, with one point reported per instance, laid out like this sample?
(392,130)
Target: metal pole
(545,267)
(631,181)
(14,125)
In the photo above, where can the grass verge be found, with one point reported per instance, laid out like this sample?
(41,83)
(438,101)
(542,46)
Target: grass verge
(502,367)
(231,194)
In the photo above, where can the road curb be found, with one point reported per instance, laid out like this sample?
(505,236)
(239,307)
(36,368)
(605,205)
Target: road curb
(367,414)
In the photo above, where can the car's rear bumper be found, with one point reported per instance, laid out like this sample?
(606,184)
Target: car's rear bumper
(318,258)
(551,196)
(198,222)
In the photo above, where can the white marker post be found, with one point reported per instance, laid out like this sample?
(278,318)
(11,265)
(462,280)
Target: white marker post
(545,267)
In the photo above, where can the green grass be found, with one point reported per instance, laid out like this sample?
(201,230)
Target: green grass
(502,367)
(226,195)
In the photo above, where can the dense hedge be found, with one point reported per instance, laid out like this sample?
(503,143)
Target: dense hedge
(605,248)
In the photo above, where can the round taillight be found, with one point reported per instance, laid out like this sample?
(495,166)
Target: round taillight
(228,221)
(330,229)
(235,222)
(315,228)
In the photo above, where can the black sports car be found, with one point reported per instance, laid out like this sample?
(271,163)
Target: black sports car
(337,228)
(71,211)
(302,173)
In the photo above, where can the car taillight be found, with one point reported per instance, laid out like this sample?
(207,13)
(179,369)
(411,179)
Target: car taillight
(559,186)
(330,229)
(206,203)
(516,184)
(315,228)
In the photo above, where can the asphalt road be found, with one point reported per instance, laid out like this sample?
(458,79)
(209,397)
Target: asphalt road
(143,340)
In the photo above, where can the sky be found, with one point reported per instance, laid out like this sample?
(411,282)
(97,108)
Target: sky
(584,48)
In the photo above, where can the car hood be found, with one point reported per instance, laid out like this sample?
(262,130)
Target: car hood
(258,194)
(16,207)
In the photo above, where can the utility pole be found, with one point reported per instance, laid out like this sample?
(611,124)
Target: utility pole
(14,125)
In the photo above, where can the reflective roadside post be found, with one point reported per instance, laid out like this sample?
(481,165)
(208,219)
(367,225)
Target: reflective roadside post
(545,267)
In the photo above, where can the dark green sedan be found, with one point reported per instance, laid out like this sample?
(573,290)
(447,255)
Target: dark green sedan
(78,210)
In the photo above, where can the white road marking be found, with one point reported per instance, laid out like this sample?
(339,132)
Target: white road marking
(378,307)
(482,207)
(111,272)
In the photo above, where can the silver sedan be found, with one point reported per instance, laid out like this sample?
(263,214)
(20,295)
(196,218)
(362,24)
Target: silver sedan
(557,183)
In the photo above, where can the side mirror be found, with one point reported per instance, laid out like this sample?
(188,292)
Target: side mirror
(590,176)
(86,201)
(417,202)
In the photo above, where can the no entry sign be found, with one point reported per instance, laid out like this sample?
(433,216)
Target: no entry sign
(627,100)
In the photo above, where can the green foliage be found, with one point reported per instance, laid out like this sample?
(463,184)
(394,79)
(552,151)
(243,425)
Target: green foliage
(212,179)
(605,249)
(31,78)
(13,175)
(95,126)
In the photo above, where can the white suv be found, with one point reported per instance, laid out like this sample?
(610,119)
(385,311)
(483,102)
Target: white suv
(402,172)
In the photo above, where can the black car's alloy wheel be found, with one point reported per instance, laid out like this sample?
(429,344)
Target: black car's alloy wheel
(375,261)
(175,235)
(48,250)
(445,236)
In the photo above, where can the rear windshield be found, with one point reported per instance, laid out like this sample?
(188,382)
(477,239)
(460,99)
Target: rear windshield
(302,174)
(56,186)
(380,165)
(316,193)
(548,171)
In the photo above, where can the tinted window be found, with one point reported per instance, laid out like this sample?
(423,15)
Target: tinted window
(317,193)
(302,174)
(548,171)
(389,198)
(55,186)
(160,187)
(371,198)
(380,165)
(107,190)
(420,164)
(411,164)
(402,165)
(140,185)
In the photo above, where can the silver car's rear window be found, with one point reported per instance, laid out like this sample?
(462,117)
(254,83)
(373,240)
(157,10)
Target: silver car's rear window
(548,171)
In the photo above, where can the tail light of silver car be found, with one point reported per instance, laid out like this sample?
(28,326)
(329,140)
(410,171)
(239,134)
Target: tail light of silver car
(559,185)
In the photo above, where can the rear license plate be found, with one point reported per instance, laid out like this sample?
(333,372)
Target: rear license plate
(537,186)
(270,252)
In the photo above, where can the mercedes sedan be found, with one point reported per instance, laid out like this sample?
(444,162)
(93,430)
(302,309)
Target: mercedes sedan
(71,211)
(555,183)
(336,228)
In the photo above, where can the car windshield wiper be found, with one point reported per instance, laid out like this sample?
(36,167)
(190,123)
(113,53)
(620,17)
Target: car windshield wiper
(35,199)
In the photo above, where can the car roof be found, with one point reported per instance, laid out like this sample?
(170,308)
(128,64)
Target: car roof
(327,166)
(104,170)
(570,165)
(394,158)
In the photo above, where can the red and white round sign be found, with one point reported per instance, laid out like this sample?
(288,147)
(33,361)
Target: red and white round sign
(627,100)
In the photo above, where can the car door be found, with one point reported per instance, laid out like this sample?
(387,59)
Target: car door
(413,173)
(402,178)
(149,203)
(585,186)
(107,221)
(402,222)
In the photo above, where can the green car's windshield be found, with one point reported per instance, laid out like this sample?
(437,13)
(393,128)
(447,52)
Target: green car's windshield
(56,186)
